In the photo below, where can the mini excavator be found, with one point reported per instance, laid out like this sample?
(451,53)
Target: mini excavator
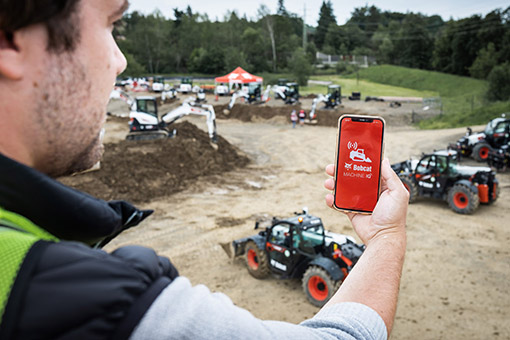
(331,100)
(145,123)
(254,95)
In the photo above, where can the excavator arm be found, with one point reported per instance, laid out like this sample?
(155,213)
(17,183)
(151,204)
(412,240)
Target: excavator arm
(265,95)
(122,95)
(319,98)
(190,107)
(236,95)
(276,90)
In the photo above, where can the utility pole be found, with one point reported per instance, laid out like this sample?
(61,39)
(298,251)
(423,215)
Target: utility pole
(304,28)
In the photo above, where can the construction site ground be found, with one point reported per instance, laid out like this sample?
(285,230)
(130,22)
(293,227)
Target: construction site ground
(456,275)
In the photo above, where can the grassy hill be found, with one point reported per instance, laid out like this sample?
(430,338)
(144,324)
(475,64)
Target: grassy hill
(366,87)
(463,98)
(446,85)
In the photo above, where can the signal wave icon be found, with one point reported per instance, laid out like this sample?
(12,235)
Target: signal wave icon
(351,145)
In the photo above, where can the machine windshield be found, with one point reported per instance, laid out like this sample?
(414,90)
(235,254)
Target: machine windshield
(489,129)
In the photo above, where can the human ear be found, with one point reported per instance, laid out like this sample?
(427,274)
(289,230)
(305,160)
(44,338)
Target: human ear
(11,61)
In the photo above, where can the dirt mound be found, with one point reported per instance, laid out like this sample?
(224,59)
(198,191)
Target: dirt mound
(139,171)
(248,113)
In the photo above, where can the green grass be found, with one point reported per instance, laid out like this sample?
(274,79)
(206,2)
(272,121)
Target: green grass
(446,85)
(367,88)
(478,116)
(463,98)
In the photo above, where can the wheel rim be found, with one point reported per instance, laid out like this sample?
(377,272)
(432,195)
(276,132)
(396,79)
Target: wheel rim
(484,152)
(318,288)
(460,200)
(253,260)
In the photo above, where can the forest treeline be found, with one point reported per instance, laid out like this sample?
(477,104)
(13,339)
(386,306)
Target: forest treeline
(190,42)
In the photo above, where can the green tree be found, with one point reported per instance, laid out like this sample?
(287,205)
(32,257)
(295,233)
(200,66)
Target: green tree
(485,61)
(383,44)
(288,37)
(334,38)
(441,57)
(456,48)
(267,19)
(281,9)
(492,29)
(234,57)
(311,53)
(300,67)
(254,47)
(367,19)
(414,43)
(145,39)
(326,18)
(134,68)
(355,37)
(499,82)
(207,61)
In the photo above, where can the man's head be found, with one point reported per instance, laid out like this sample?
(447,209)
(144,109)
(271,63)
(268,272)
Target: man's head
(58,16)
(58,63)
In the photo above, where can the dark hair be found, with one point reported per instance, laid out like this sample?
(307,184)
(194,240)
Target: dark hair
(59,16)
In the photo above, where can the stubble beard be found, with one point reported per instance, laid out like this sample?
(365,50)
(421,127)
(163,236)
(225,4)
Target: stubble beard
(70,119)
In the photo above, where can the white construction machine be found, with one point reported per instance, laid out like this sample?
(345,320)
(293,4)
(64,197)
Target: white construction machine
(331,100)
(289,93)
(186,85)
(159,85)
(254,95)
(146,124)
(221,90)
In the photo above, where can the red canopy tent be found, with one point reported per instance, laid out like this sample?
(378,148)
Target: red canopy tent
(238,76)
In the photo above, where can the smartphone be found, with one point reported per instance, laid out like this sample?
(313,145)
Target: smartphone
(359,155)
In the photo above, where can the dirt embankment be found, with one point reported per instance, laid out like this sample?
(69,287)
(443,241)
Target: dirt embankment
(250,113)
(139,171)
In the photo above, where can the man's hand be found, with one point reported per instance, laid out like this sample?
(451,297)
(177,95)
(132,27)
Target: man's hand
(390,212)
(375,279)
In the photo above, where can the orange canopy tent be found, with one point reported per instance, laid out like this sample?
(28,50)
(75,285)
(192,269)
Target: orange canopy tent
(238,76)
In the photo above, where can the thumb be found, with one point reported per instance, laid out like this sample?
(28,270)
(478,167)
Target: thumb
(390,179)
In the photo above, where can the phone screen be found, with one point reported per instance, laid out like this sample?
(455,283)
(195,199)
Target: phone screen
(360,147)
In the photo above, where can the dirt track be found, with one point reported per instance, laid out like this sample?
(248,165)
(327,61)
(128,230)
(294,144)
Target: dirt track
(456,277)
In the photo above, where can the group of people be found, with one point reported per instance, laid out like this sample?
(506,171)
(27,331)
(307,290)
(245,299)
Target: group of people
(295,116)
(58,63)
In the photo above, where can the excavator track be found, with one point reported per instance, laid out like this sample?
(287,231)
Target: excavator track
(148,135)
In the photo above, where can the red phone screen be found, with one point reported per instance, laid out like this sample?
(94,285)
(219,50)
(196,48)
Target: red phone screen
(358,163)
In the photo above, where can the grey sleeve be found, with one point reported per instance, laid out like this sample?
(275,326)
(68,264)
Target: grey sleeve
(186,312)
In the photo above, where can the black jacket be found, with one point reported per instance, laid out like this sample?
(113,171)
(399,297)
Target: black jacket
(67,290)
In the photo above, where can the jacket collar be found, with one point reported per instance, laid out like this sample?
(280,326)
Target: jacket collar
(62,211)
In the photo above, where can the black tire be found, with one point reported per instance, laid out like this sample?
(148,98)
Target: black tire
(411,186)
(496,193)
(481,152)
(463,199)
(256,260)
(318,285)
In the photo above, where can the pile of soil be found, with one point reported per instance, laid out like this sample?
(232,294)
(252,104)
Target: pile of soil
(250,112)
(247,112)
(139,171)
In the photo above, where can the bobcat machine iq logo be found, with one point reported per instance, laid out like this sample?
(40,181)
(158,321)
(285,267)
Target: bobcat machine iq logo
(358,156)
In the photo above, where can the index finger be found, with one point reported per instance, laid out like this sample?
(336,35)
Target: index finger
(330,169)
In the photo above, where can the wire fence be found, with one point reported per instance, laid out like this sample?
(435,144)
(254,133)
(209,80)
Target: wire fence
(332,60)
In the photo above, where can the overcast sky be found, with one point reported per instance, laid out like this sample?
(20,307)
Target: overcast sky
(216,9)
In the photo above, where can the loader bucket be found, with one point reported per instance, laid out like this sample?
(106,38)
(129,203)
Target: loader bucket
(228,248)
